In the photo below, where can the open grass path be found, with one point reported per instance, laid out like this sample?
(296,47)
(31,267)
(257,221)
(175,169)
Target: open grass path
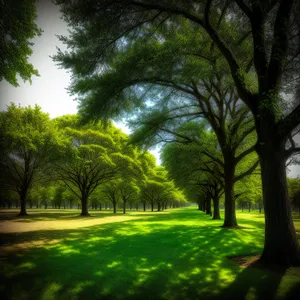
(67,219)
(180,254)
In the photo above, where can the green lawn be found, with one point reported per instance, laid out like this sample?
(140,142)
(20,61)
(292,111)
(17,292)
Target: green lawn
(178,254)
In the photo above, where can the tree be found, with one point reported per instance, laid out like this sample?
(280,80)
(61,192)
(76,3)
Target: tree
(30,144)
(270,28)
(111,192)
(88,162)
(195,161)
(249,191)
(95,156)
(18,27)
(120,189)
(129,190)
(200,178)
(158,189)
(58,199)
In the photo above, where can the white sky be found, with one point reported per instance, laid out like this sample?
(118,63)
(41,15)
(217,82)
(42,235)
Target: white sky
(49,90)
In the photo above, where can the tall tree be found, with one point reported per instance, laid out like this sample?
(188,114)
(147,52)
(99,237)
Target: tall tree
(87,163)
(271,28)
(95,156)
(30,144)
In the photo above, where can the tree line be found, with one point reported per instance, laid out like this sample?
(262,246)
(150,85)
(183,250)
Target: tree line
(60,162)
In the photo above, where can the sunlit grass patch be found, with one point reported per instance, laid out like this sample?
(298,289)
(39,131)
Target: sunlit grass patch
(181,254)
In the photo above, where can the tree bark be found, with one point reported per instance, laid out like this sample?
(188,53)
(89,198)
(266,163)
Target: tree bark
(229,203)
(158,206)
(124,207)
(208,206)
(216,204)
(115,207)
(281,246)
(144,206)
(23,211)
(84,206)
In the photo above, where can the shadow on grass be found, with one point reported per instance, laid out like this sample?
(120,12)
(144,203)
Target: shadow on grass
(181,255)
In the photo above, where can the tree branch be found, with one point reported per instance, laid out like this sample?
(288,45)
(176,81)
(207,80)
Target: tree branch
(246,173)
(243,154)
(284,127)
(280,44)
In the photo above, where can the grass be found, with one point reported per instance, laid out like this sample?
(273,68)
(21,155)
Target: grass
(179,254)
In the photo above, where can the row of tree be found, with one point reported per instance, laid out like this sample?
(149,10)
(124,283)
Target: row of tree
(229,62)
(88,162)
(194,161)
(200,56)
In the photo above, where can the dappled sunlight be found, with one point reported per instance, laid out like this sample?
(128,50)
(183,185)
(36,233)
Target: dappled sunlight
(80,286)
(24,267)
(179,255)
(51,290)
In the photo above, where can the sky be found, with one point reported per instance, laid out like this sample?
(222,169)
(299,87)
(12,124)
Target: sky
(49,90)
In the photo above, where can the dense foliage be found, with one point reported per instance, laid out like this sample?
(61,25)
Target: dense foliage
(17,29)
(81,165)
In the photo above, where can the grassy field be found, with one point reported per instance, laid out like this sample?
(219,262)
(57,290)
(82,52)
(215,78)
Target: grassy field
(177,254)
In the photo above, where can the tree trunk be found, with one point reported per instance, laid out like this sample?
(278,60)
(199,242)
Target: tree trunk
(144,206)
(124,207)
(100,206)
(84,206)
(23,211)
(216,204)
(208,206)
(152,206)
(281,246)
(115,207)
(158,206)
(203,205)
(229,203)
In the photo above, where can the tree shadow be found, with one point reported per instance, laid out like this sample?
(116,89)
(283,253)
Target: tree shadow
(253,284)
(162,257)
